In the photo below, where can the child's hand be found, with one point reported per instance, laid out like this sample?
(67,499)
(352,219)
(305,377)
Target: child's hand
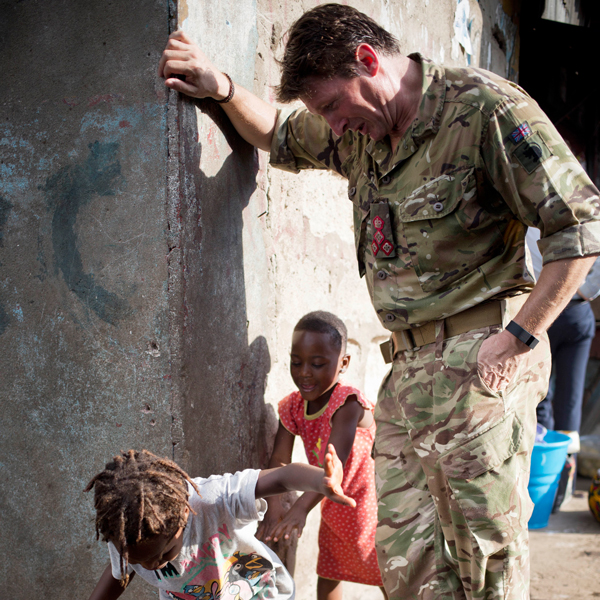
(274,515)
(295,520)
(334,475)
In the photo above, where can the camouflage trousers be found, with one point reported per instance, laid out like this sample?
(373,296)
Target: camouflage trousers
(452,464)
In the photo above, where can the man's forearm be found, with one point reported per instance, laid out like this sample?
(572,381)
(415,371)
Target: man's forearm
(253,118)
(558,282)
(499,356)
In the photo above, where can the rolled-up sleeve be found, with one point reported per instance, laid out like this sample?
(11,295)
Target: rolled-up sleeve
(304,141)
(544,185)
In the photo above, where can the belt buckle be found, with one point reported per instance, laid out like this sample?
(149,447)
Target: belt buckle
(408,338)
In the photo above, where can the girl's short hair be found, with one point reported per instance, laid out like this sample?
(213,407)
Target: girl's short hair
(321,321)
(138,496)
(322,44)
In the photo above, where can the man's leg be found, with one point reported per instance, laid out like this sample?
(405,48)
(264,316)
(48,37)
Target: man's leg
(473,448)
(412,556)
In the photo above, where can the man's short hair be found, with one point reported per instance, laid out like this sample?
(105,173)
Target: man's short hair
(322,44)
(321,321)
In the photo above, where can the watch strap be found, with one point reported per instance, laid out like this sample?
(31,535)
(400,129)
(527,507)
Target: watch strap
(522,335)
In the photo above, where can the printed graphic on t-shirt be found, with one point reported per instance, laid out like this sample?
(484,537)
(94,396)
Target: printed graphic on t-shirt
(218,572)
(166,572)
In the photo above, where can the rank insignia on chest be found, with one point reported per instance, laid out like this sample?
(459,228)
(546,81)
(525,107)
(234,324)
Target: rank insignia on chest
(521,132)
(383,240)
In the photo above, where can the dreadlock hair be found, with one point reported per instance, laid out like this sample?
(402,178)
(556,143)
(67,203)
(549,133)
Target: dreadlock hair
(322,44)
(137,497)
(321,321)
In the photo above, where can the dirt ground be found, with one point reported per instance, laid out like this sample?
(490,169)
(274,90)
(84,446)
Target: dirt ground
(565,555)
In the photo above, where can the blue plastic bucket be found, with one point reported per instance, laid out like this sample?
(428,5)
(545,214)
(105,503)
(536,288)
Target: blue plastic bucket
(547,462)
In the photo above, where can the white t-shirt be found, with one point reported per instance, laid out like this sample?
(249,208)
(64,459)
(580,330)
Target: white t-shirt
(220,558)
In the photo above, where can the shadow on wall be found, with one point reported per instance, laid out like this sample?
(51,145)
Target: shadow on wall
(226,424)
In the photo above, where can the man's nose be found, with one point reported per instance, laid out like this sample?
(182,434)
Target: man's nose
(338,125)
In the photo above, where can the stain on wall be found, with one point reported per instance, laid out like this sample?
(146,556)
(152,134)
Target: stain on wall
(74,186)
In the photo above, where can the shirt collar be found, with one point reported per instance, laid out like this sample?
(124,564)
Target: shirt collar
(426,123)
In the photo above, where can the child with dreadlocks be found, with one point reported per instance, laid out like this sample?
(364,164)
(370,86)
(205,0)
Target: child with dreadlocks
(325,411)
(193,538)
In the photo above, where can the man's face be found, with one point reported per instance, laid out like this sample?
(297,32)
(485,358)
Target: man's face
(349,104)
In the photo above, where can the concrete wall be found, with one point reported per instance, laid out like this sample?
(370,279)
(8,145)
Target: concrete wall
(152,266)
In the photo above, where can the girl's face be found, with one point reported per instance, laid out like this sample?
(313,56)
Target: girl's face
(315,365)
(156,552)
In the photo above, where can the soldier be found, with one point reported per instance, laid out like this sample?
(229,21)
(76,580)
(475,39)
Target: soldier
(446,169)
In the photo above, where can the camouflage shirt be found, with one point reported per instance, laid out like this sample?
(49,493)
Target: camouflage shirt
(440,221)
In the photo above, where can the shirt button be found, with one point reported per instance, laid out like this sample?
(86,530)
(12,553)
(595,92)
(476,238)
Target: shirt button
(351,191)
(438,207)
(390,317)
(386,179)
(381,274)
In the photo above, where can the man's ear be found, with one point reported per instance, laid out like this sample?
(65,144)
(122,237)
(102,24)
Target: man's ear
(368,59)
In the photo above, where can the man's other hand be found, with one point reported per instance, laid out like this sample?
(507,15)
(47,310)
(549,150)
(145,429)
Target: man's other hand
(499,359)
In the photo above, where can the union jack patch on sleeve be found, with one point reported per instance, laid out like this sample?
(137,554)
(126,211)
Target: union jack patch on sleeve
(521,132)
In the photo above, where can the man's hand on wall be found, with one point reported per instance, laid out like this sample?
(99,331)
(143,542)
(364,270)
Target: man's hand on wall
(186,69)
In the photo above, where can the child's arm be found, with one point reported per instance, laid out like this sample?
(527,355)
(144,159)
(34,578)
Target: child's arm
(343,431)
(108,588)
(281,456)
(305,478)
(344,422)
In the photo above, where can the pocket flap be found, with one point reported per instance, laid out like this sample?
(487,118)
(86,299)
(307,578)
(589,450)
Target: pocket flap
(484,452)
(436,198)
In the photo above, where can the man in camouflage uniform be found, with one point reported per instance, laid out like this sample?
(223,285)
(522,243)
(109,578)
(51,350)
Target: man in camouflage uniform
(447,168)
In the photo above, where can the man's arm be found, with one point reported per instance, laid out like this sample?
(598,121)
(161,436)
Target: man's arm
(499,355)
(253,118)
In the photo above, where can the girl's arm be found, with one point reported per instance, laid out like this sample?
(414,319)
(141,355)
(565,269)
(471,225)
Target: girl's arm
(282,448)
(306,478)
(281,456)
(343,430)
(344,422)
(108,588)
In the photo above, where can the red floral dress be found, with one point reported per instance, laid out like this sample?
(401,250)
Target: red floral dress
(346,535)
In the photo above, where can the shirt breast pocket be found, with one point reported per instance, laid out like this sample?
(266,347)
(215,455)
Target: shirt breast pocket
(447,232)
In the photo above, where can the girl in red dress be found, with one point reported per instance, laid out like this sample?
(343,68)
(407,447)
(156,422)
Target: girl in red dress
(325,411)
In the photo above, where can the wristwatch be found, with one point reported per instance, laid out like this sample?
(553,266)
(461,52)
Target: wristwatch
(522,335)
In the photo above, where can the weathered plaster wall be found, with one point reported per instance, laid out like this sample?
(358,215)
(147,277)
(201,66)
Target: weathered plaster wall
(84,323)
(298,250)
(152,266)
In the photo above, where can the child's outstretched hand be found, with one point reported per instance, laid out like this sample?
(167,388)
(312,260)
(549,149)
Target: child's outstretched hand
(334,475)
